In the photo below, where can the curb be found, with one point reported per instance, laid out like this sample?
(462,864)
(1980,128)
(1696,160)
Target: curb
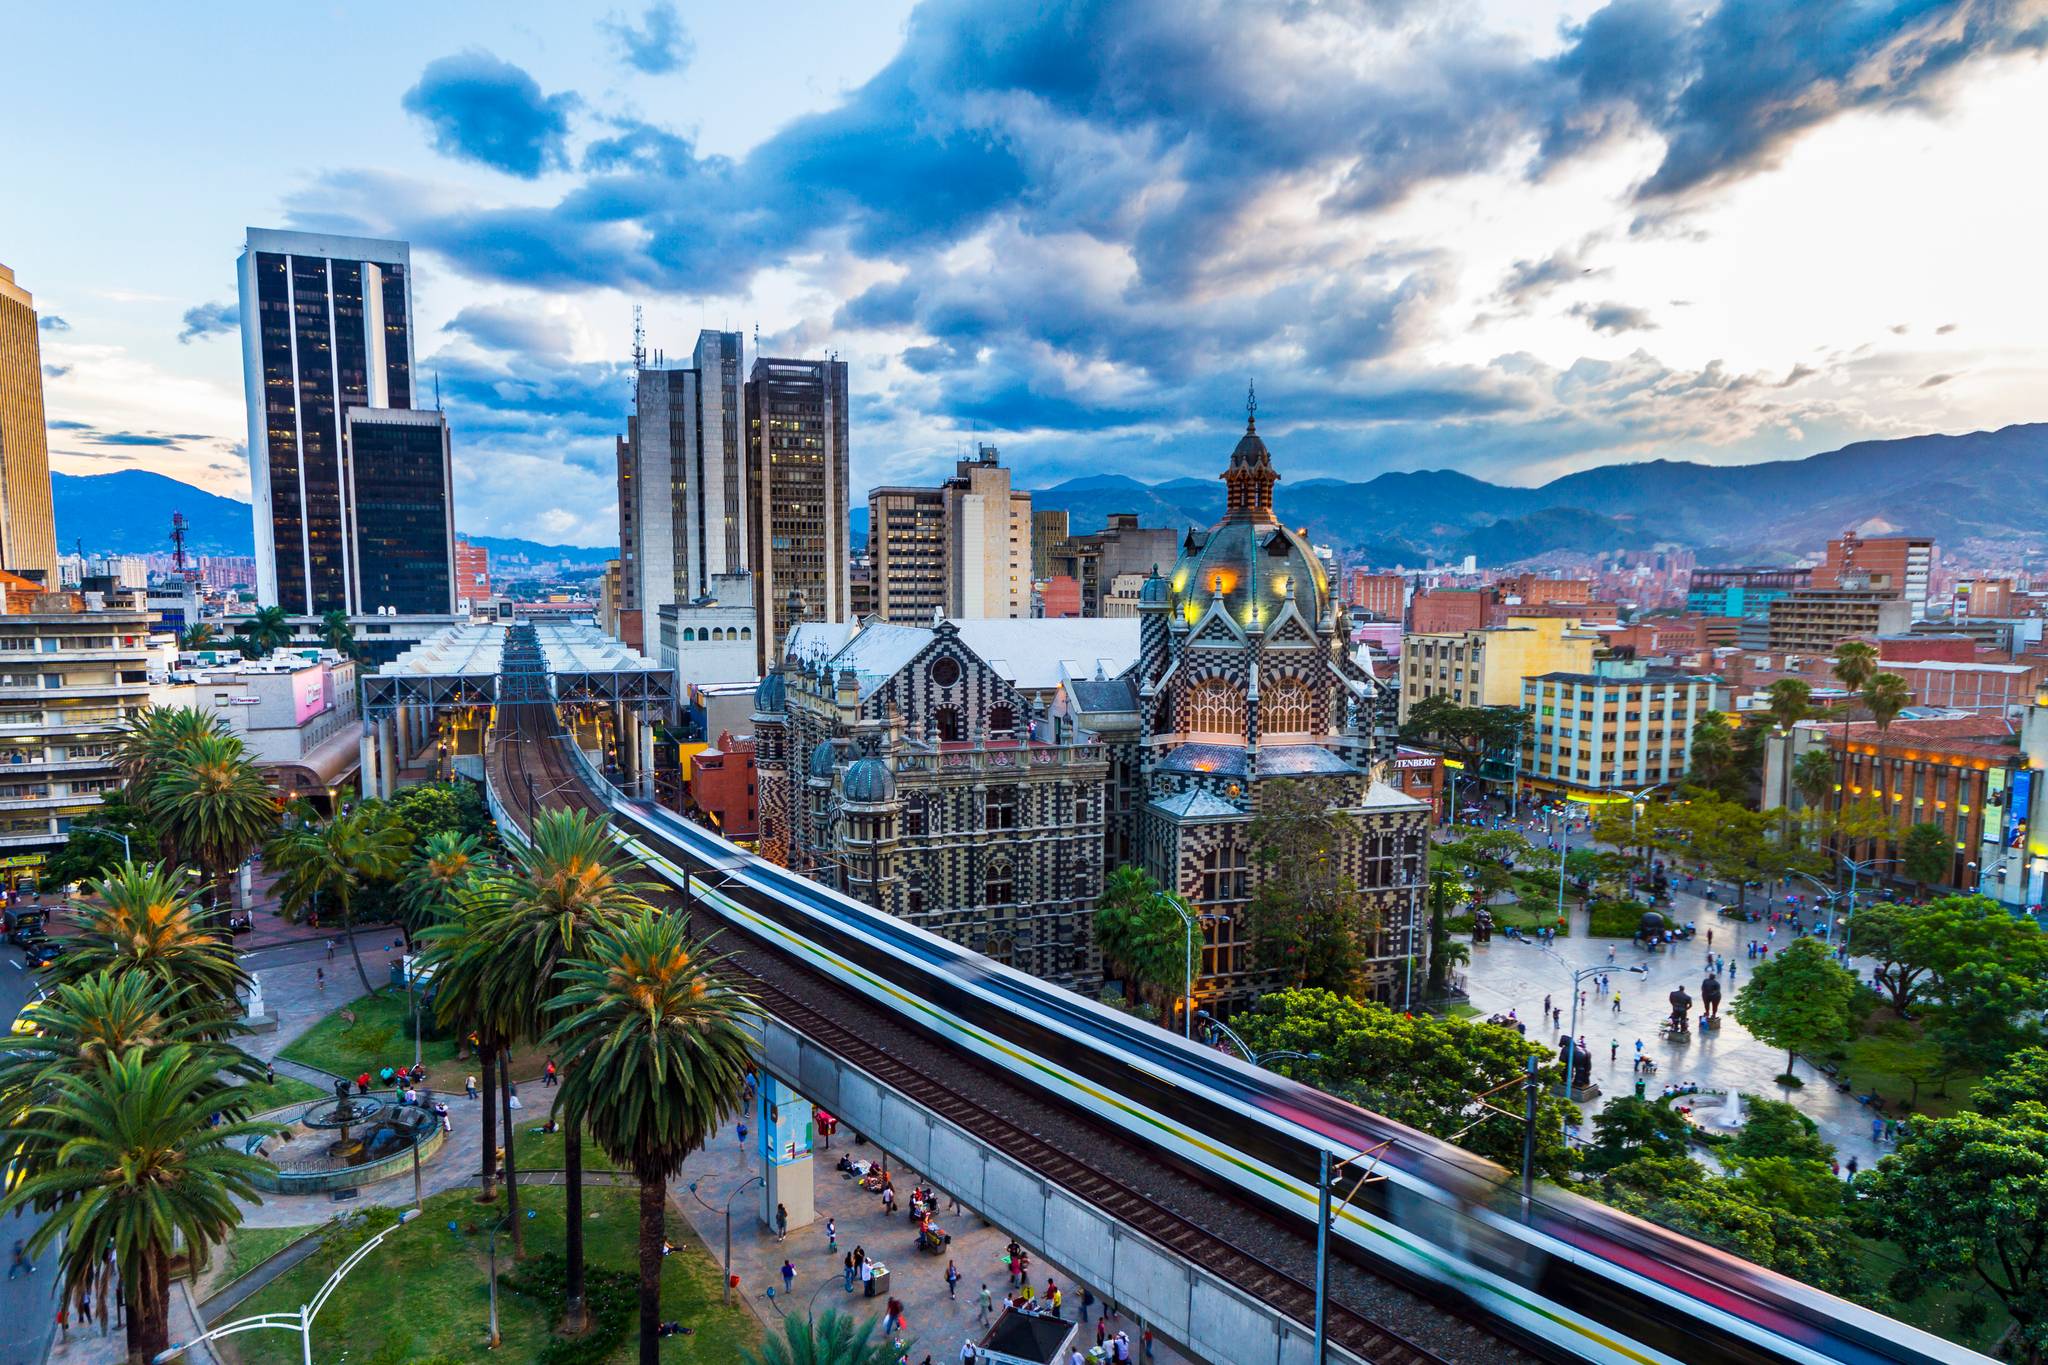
(238,1291)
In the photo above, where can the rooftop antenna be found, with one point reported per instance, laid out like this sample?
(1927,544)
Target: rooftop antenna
(437,391)
(639,340)
(178,528)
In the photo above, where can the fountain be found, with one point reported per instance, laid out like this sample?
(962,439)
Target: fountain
(345,1142)
(1731,1111)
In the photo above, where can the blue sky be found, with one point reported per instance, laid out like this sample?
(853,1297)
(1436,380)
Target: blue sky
(1510,238)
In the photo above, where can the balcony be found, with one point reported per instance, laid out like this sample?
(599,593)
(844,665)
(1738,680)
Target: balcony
(80,802)
(14,692)
(93,725)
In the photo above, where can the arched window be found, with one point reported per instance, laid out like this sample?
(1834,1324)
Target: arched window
(999,886)
(1215,706)
(746,632)
(947,719)
(1001,720)
(689,633)
(1287,707)
(718,634)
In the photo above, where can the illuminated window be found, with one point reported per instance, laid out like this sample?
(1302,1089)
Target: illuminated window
(1215,707)
(1286,707)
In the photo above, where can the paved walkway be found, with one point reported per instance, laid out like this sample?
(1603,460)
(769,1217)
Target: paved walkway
(938,1323)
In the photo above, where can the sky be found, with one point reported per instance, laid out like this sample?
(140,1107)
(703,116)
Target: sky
(1513,238)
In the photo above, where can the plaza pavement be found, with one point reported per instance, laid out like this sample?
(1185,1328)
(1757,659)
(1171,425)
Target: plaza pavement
(936,1324)
(1511,974)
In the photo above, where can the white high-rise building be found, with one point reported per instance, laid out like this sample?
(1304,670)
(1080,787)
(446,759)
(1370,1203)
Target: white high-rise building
(326,327)
(682,484)
(988,541)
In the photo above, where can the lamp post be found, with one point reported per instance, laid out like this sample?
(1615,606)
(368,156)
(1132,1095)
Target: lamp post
(1571,1053)
(1244,1049)
(1869,865)
(743,1187)
(1453,766)
(1187,1016)
(127,854)
(301,1320)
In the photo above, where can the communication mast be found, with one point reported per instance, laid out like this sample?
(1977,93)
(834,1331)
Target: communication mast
(639,340)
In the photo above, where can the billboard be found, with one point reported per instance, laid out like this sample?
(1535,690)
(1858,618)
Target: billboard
(309,693)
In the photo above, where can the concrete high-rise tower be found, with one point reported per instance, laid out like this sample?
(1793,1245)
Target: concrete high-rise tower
(988,541)
(28,535)
(797,496)
(326,327)
(682,482)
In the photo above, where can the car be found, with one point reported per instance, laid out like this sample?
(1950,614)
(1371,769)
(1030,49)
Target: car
(25,1022)
(41,954)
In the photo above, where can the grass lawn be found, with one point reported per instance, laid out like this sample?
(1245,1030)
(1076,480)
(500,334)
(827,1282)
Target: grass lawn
(382,1036)
(247,1249)
(545,1151)
(424,1293)
(284,1090)
(1873,1060)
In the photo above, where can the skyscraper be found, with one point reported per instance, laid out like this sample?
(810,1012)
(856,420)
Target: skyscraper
(907,553)
(401,512)
(797,495)
(28,535)
(682,479)
(988,541)
(326,327)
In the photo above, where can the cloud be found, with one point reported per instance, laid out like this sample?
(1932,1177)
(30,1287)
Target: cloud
(209,319)
(1935,381)
(489,111)
(55,371)
(1945,329)
(1613,318)
(659,45)
(50,322)
(69,425)
(528,330)
(1527,281)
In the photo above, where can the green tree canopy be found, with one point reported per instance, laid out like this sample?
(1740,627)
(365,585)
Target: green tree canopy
(326,866)
(1886,694)
(1421,1069)
(1924,854)
(1628,1128)
(452,807)
(1466,732)
(1677,1193)
(1813,776)
(1967,1197)
(1140,934)
(1485,859)
(1307,919)
(831,1338)
(1799,999)
(143,920)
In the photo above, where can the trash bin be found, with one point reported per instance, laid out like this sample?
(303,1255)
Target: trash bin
(878,1287)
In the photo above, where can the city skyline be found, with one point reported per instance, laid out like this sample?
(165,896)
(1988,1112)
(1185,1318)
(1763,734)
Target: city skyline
(1506,241)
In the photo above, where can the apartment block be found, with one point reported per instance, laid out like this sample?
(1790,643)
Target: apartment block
(1620,726)
(1444,610)
(797,495)
(1742,591)
(1382,596)
(1899,564)
(988,541)
(907,554)
(1815,620)
(1486,667)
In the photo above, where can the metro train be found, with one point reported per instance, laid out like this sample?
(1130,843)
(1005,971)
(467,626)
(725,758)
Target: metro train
(1570,1278)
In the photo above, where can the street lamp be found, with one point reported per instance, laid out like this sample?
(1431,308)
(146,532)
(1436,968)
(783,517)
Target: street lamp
(1454,766)
(1571,1052)
(1869,865)
(301,1321)
(1219,1028)
(127,855)
(744,1186)
(1187,1017)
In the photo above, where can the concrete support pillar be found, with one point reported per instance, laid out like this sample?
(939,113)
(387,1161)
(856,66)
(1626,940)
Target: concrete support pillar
(387,749)
(626,742)
(784,1126)
(646,756)
(366,759)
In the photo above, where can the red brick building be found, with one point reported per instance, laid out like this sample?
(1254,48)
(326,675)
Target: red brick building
(1419,773)
(1953,773)
(1380,595)
(472,573)
(1059,597)
(723,785)
(1898,564)
(1447,611)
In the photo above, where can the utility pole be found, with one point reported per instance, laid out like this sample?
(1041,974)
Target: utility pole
(1529,1140)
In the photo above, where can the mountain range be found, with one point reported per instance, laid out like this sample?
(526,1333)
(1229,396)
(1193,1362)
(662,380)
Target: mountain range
(1986,486)
(1989,487)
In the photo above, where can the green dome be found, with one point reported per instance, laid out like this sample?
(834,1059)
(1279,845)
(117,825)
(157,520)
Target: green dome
(1249,557)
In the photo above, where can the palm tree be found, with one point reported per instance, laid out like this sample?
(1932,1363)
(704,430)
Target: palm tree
(214,805)
(268,629)
(832,1338)
(1855,665)
(330,862)
(1136,930)
(442,869)
(657,1046)
(1886,694)
(145,923)
(461,950)
(140,1166)
(152,734)
(1813,775)
(337,634)
(197,636)
(568,882)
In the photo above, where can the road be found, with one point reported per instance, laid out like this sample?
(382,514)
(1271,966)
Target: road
(28,1303)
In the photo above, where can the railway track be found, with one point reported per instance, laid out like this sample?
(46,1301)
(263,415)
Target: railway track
(530,770)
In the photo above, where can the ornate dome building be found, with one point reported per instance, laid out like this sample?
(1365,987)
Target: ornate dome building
(1245,680)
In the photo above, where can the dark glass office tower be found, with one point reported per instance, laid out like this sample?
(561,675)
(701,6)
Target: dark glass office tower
(401,542)
(326,327)
(797,494)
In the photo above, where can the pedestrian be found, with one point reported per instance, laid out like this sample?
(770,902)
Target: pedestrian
(469,1086)
(952,1280)
(320,977)
(1617,1002)
(831,1235)
(1610,954)
(788,1276)
(1877,1130)
(1613,1051)
(1546,1007)
(1852,1168)
(988,1303)
(20,1263)
(330,950)
(548,1077)
(849,1273)
(781,1222)
(63,1322)
(1087,1302)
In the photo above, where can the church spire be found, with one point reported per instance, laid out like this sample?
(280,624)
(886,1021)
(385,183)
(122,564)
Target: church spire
(1250,478)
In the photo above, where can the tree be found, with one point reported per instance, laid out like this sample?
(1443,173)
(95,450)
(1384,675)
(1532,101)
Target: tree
(151,736)
(1799,1000)
(196,636)
(338,635)
(1486,860)
(452,807)
(144,922)
(1787,702)
(1138,931)
(214,806)
(1677,1193)
(1813,776)
(1628,1128)
(1894,936)
(1855,665)
(1306,916)
(142,1166)
(1968,1195)
(1715,765)
(1924,855)
(460,950)
(657,1048)
(569,882)
(94,848)
(1987,976)
(329,863)
(267,629)
(2024,1077)
(1467,732)
(831,1338)
(1422,1070)
(443,868)
(1886,694)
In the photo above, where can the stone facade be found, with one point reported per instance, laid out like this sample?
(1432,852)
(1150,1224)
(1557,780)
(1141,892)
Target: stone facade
(904,770)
